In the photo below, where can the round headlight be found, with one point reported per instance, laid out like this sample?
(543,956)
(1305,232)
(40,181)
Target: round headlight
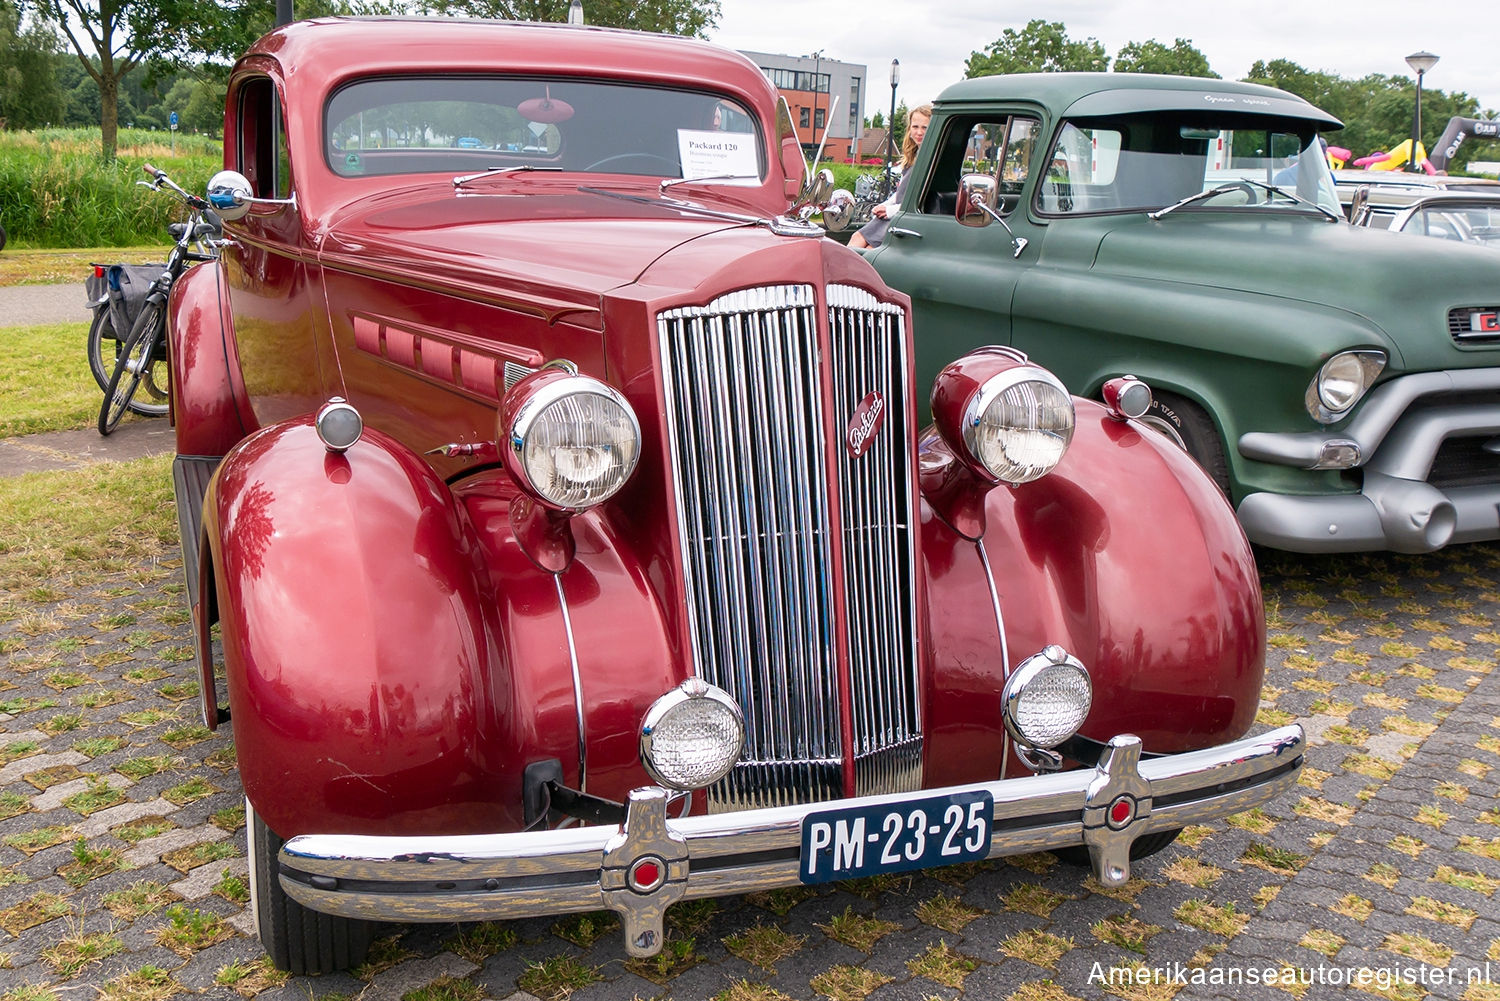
(1019,424)
(692,736)
(1047,698)
(1341,381)
(575,441)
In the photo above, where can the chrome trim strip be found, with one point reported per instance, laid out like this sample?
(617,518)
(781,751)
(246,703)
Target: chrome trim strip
(583,747)
(989,577)
(501,876)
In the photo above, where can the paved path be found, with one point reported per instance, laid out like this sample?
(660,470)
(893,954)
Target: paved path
(35,453)
(120,833)
(30,305)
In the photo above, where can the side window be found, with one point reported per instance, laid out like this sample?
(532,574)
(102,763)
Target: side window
(262,148)
(1000,146)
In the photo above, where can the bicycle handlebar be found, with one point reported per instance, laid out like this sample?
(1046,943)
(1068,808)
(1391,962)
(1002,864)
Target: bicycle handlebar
(159,178)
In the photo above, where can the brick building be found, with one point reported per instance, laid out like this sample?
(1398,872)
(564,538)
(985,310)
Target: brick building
(809,84)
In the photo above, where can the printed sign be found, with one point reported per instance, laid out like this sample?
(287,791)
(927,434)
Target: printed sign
(718,154)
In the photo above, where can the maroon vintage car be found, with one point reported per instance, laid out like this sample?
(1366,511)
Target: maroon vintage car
(561,498)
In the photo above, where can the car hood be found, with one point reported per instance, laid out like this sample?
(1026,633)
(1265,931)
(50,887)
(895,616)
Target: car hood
(569,247)
(1403,285)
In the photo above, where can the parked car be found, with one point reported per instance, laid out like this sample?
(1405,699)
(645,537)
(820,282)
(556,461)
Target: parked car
(1389,192)
(1340,388)
(1459,216)
(573,543)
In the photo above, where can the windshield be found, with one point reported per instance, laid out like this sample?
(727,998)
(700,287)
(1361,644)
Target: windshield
(1149,161)
(1477,222)
(413,125)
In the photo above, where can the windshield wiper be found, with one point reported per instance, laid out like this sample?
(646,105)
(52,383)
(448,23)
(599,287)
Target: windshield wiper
(1190,199)
(715,177)
(1331,215)
(463,179)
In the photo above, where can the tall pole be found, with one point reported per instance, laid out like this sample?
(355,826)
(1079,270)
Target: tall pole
(1421,62)
(890,126)
(817,72)
(283,12)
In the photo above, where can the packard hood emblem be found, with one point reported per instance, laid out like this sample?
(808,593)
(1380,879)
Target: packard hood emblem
(865,424)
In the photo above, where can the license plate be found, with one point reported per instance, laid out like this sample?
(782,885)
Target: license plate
(896,837)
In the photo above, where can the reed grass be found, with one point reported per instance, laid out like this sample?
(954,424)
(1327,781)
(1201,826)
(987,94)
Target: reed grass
(57,191)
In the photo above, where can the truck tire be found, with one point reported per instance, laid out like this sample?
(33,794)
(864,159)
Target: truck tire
(1191,430)
(297,939)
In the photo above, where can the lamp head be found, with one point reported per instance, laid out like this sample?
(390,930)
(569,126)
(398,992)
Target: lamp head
(1422,61)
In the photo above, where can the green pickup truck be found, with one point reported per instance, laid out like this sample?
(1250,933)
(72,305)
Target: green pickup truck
(1342,385)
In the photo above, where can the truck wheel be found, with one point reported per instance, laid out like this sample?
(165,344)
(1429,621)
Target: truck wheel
(1146,845)
(297,939)
(1191,430)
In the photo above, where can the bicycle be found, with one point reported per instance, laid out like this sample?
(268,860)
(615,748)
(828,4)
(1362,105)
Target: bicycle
(142,355)
(116,293)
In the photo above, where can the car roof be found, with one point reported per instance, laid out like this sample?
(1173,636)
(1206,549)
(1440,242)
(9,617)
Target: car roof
(1077,94)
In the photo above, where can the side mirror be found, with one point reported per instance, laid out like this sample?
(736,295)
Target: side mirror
(977,196)
(230,195)
(1359,206)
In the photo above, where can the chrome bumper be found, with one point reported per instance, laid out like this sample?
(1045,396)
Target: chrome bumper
(502,876)
(1396,441)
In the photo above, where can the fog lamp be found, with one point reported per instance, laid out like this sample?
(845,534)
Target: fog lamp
(692,736)
(339,425)
(1341,382)
(1047,698)
(1126,397)
(1019,424)
(571,441)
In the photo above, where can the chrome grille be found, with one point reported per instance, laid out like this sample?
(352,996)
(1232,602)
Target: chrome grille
(743,378)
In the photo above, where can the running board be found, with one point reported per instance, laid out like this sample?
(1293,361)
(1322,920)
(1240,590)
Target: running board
(190,476)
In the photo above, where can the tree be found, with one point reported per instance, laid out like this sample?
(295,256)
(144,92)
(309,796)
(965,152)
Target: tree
(677,17)
(1182,59)
(111,38)
(1042,46)
(29,93)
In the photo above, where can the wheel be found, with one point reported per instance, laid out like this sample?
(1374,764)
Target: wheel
(1144,846)
(140,365)
(645,158)
(1191,430)
(2,237)
(104,347)
(297,939)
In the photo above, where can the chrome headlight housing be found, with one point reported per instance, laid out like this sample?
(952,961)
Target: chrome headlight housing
(692,736)
(571,441)
(1341,382)
(1018,426)
(1047,698)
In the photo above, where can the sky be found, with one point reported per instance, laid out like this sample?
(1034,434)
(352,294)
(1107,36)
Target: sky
(933,40)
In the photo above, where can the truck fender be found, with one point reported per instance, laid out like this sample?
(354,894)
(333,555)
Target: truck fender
(1167,620)
(210,410)
(357,645)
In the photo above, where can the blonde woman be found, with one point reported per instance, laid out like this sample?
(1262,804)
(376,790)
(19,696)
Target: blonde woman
(873,232)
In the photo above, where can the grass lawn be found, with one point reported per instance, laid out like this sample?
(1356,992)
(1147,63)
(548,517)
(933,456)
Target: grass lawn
(51,267)
(45,384)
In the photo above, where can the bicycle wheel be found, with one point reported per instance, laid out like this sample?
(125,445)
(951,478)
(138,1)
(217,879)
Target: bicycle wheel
(135,360)
(104,347)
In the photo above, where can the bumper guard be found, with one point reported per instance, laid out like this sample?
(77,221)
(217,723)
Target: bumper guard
(502,876)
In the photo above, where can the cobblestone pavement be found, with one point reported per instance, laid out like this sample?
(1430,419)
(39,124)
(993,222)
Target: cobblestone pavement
(122,857)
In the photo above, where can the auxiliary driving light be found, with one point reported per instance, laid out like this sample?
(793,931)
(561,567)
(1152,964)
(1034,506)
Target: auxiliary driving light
(692,736)
(571,441)
(1047,698)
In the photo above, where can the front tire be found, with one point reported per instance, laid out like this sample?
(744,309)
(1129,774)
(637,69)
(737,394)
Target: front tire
(298,940)
(1190,428)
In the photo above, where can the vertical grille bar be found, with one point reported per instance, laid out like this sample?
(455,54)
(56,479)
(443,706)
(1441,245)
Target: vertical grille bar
(743,380)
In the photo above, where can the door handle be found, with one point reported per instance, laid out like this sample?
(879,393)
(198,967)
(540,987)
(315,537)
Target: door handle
(898,231)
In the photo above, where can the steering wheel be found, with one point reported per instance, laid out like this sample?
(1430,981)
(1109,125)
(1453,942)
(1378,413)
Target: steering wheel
(644,158)
(1252,194)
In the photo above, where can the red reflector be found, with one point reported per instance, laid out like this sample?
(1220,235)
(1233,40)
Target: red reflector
(645,875)
(1120,811)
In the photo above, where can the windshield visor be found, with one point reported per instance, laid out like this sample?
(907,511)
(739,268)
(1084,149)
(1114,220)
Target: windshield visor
(1146,162)
(415,125)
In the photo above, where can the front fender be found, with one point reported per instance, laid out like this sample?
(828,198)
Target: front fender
(210,411)
(1129,557)
(356,646)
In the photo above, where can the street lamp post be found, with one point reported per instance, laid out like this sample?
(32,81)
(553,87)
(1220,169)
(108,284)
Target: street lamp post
(890,125)
(1421,62)
(817,72)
